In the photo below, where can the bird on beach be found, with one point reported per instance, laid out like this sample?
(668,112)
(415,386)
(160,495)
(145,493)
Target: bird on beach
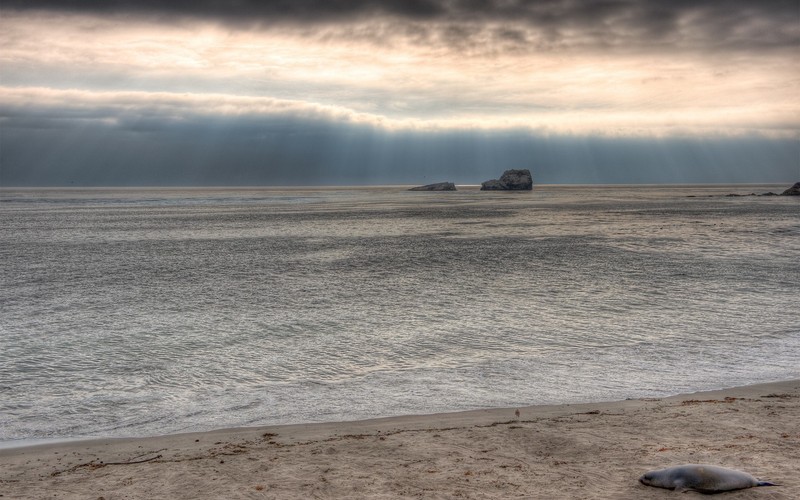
(516,413)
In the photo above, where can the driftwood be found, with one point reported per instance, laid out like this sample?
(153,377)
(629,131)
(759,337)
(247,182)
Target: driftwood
(99,465)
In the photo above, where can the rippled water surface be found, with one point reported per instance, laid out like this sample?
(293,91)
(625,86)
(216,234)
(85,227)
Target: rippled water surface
(140,312)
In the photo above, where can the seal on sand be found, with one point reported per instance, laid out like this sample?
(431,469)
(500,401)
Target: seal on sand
(702,478)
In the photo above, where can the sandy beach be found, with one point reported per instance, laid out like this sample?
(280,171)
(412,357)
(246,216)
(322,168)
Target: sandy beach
(595,450)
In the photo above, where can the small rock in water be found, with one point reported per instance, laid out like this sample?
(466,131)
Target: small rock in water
(439,186)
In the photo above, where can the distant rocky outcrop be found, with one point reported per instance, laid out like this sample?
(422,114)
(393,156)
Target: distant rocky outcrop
(511,180)
(792,191)
(439,186)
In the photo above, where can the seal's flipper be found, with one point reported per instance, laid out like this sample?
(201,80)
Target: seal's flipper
(680,487)
(766,483)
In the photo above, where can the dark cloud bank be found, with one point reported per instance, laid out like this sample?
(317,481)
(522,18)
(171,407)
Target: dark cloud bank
(652,13)
(281,151)
(730,24)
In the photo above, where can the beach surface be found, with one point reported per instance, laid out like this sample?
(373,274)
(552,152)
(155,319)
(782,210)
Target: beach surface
(595,450)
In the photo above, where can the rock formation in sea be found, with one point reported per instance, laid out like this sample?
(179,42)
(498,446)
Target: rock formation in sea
(511,180)
(792,191)
(439,186)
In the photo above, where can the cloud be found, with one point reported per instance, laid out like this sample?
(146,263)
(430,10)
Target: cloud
(242,10)
(154,111)
(544,25)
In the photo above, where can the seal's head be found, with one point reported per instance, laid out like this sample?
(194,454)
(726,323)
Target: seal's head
(661,478)
(649,479)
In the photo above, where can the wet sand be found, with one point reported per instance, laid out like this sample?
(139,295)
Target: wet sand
(595,450)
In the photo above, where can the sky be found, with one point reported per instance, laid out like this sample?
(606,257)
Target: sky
(312,92)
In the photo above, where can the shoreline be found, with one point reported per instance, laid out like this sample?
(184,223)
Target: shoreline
(47,442)
(558,451)
(10,446)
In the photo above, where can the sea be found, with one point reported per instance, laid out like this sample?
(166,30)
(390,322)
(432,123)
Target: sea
(139,312)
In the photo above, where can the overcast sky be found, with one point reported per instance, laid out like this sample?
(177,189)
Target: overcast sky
(343,92)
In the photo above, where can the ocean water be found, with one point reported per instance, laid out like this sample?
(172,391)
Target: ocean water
(136,312)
